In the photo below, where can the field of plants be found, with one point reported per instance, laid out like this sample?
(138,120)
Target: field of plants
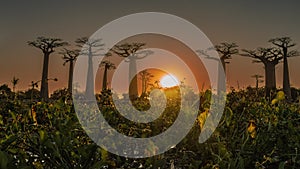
(253,133)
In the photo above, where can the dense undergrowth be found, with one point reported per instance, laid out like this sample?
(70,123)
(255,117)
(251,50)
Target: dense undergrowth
(253,133)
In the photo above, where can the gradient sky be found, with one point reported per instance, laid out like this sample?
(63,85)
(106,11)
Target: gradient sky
(249,24)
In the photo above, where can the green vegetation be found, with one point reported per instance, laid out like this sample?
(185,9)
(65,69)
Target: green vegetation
(253,133)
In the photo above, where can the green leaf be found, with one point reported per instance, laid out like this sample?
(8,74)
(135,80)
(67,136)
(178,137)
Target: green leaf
(42,135)
(97,165)
(13,151)
(3,160)
(8,140)
(26,167)
(281,165)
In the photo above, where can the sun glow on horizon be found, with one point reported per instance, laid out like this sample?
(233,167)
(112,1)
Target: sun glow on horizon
(169,81)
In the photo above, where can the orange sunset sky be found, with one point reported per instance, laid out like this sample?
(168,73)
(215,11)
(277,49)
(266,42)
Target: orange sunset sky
(249,24)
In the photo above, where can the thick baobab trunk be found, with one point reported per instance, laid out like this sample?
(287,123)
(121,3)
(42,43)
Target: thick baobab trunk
(286,78)
(70,76)
(104,83)
(89,88)
(223,64)
(221,77)
(44,84)
(270,79)
(133,83)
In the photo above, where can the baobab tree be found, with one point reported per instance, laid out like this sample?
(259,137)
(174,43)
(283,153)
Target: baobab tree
(70,56)
(91,48)
(47,45)
(107,66)
(145,77)
(129,51)
(284,44)
(225,50)
(14,82)
(270,57)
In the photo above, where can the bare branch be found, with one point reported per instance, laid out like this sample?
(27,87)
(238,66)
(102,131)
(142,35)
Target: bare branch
(90,46)
(265,55)
(69,55)
(126,49)
(283,42)
(107,64)
(47,45)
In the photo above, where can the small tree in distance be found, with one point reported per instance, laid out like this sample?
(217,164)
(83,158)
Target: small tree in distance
(257,81)
(145,77)
(14,82)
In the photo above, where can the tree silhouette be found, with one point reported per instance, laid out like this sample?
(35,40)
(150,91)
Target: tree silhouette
(70,56)
(225,50)
(155,85)
(47,45)
(129,51)
(257,81)
(270,57)
(145,77)
(14,82)
(107,66)
(284,44)
(90,47)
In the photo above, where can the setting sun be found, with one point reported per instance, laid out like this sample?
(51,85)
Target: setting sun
(169,81)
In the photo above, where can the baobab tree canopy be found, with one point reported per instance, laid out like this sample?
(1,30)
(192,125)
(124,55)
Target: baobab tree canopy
(89,46)
(47,45)
(127,49)
(69,55)
(226,49)
(264,55)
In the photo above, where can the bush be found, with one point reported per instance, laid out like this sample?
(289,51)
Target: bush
(253,133)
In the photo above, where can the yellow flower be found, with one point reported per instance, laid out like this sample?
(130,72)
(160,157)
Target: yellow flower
(274,101)
(280,95)
(201,119)
(251,129)
(33,115)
